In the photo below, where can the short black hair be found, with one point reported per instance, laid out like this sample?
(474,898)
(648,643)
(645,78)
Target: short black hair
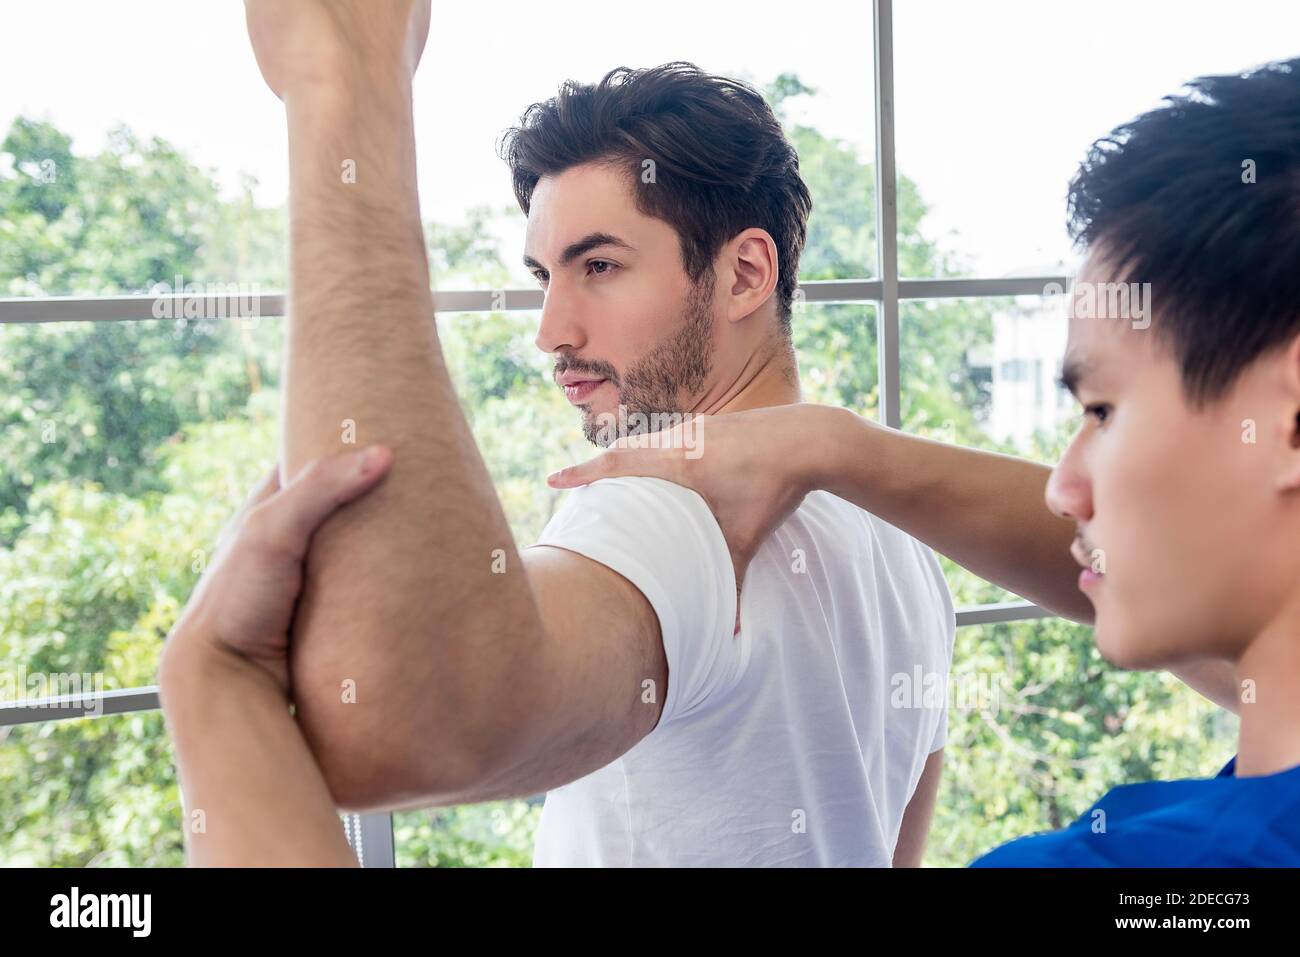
(722,163)
(1169,195)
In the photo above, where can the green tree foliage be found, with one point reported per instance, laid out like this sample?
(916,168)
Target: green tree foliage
(125,447)
(98,399)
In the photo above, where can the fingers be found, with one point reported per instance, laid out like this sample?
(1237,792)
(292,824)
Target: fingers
(610,464)
(288,521)
(598,468)
(653,454)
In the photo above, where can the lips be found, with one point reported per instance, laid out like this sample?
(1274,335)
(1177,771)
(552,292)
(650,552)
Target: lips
(1088,578)
(578,384)
(579,390)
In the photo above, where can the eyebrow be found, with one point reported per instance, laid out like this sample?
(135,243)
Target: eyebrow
(584,245)
(1073,371)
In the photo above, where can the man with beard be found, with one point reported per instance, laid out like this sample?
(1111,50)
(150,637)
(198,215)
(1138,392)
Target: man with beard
(778,744)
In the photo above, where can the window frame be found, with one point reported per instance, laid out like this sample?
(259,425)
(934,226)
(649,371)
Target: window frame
(371,835)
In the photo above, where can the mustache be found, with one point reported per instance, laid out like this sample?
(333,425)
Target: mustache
(593,367)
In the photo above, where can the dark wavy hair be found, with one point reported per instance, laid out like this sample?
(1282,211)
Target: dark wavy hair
(1169,195)
(722,162)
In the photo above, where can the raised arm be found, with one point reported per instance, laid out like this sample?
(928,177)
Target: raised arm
(431,663)
(416,604)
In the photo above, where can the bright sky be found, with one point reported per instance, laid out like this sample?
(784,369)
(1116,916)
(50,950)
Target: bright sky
(995,101)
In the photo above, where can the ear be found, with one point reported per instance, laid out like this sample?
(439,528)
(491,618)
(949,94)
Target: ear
(1289,480)
(752,270)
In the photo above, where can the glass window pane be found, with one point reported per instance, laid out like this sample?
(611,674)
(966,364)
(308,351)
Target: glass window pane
(124,449)
(832,125)
(120,170)
(838,363)
(496,834)
(983,373)
(998,102)
(143,181)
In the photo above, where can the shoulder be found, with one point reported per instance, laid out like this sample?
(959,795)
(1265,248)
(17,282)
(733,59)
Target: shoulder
(631,498)
(658,535)
(665,542)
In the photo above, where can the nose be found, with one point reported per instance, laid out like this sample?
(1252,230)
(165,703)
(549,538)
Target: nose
(560,326)
(1069,490)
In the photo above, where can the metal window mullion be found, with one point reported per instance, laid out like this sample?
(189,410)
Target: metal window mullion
(90,704)
(1000,613)
(982,288)
(890,389)
(371,838)
(132,700)
(56,309)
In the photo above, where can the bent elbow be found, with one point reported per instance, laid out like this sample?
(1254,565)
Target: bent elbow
(371,765)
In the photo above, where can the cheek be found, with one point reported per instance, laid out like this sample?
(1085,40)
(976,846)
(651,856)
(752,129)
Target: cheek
(1129,476)
(1147,497)
(629,348)
(1167,514)
(649,310)
(621,344)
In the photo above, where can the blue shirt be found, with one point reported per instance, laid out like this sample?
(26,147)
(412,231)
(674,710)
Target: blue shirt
(1224,821)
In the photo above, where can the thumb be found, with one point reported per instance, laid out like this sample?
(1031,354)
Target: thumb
(320,489)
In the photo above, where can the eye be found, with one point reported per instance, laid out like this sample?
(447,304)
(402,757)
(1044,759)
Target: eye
(601,262)
(540,275)
(1100,411)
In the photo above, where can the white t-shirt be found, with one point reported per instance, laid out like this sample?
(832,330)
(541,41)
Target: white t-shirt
(797,741)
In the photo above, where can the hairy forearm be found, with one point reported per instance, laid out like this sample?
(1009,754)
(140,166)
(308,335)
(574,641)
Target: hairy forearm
(983,510)
(253,794)
(406,641)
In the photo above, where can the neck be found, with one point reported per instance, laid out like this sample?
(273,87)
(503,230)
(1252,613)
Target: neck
(1269,741)
(769,377)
